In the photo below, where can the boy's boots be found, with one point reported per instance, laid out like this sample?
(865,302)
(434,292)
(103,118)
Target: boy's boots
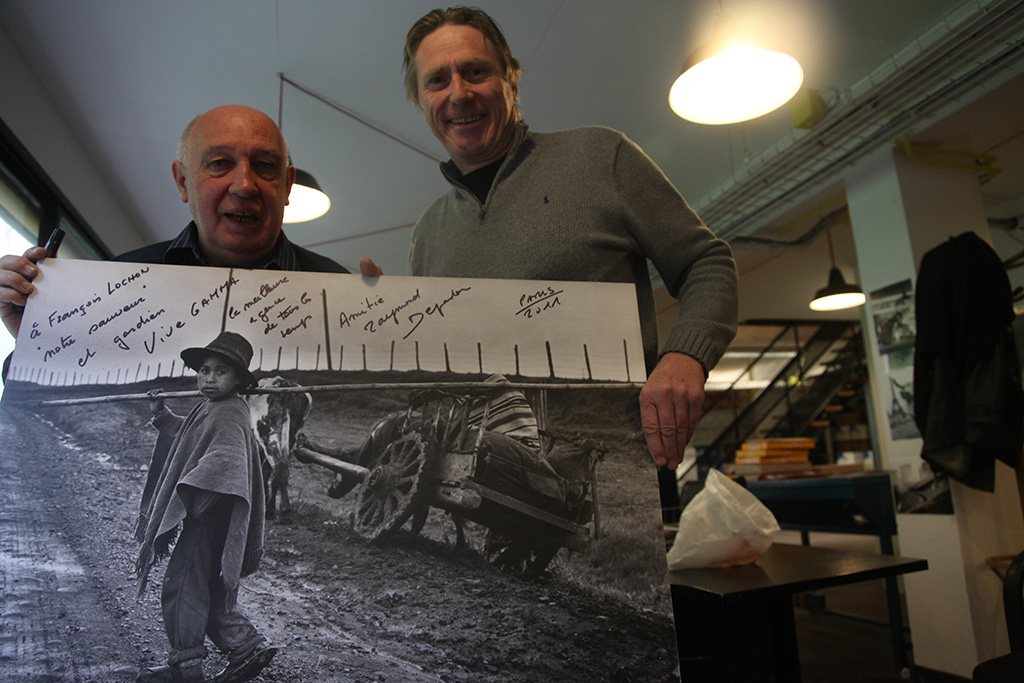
(190,671)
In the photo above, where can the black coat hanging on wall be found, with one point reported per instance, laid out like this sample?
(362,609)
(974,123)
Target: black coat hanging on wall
(968,401)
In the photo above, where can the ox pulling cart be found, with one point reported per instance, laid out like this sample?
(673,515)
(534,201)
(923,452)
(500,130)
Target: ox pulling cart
(534,496)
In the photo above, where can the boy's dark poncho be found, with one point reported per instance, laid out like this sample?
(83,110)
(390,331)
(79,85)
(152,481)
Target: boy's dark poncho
(213,449)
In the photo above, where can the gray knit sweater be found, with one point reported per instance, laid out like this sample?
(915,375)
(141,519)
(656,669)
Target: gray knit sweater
(587,204)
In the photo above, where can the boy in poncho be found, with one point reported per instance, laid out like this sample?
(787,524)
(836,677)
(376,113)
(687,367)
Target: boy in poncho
(204,506)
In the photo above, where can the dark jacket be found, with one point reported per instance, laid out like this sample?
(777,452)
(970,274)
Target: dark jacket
(968,401)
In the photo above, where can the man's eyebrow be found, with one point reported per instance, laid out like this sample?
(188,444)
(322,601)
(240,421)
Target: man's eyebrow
(229,149)
(434,72)
(461,66)
(268,152)
(218,149)
(479,62)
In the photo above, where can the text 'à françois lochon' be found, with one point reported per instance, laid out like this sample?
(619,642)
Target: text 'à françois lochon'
(131,322)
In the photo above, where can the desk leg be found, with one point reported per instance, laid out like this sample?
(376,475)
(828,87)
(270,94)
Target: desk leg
(784,644)
(892,594)
(750,643)
(899,642)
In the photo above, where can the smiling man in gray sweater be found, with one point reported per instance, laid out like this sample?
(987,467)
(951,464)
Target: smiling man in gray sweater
(581,204)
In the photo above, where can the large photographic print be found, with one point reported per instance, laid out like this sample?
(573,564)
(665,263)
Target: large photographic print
(453,488)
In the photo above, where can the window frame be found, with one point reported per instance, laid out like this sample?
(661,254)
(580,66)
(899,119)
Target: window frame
(55,206)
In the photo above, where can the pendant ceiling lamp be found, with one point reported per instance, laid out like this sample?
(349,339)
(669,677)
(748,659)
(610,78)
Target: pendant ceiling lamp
(836,295)
(306,200)
(728,81)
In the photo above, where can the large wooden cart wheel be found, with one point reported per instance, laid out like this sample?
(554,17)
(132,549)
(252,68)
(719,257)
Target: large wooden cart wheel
(394,487)
(526,559)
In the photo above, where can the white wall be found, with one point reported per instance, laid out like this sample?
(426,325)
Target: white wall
(28,110)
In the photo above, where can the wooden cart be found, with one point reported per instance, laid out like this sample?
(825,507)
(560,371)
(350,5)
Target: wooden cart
(438,453)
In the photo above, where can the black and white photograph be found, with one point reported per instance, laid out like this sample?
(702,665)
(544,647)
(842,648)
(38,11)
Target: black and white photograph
(893,310)
(382,498)
(367,341)
(901,398)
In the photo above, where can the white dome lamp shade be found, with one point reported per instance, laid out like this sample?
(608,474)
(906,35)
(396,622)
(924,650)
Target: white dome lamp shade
(727,81)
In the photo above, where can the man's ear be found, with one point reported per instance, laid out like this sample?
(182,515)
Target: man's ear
(289,181)
(178,171)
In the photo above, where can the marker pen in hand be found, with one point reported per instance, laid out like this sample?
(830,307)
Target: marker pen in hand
(53,243)
(51,246)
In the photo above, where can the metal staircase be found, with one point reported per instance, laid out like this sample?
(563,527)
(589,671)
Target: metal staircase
(814,383)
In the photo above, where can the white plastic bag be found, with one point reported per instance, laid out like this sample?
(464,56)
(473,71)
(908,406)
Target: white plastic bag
(724,525)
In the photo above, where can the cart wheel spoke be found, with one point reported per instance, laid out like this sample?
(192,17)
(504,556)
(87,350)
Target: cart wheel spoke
(394,487)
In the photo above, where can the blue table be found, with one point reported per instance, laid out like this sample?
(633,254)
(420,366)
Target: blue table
(852,504)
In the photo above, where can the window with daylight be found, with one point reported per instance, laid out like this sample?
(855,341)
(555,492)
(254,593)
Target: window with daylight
(31,206)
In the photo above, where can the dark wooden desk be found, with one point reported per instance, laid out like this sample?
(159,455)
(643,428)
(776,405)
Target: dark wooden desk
(737,624)
(859,503)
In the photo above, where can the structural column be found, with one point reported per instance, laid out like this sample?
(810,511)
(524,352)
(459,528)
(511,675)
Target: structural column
(899,209)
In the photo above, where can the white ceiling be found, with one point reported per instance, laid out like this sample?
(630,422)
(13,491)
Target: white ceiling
(128,75)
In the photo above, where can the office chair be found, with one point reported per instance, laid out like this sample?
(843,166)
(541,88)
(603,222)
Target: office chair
(1009,667)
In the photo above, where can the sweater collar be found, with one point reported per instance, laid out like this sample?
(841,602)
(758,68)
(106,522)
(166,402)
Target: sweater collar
(515,153)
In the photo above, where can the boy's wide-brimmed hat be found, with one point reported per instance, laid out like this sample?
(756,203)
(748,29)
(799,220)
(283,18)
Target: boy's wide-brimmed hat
(232,347)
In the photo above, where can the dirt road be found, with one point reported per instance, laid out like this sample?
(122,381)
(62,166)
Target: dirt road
(412,609)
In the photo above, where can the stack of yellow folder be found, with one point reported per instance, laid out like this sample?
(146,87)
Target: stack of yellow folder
(779,450)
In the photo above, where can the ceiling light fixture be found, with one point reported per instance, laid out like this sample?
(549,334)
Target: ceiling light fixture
(728,81)
(306,200)
(836,295)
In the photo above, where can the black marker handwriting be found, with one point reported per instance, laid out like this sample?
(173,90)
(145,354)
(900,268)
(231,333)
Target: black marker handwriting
(212,297)
(161,336)
(392,315)
(85,359)
(114,316)
(417,318)
(114,286)
(121,340)
(57,318)
(538,302)
(65,342)
(302,323)
(265,290)
(345,319)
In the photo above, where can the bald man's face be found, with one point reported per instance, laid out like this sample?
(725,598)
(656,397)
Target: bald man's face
(235,178)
